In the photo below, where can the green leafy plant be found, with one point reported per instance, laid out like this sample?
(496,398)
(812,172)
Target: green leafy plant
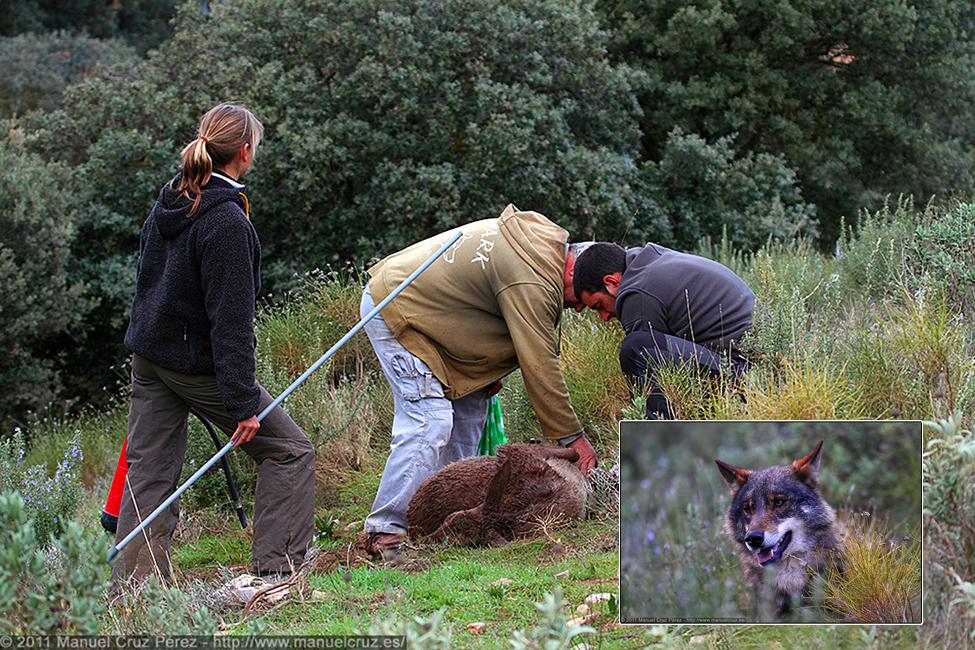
(56,591)
(49,501)
(554,632)
(428,633)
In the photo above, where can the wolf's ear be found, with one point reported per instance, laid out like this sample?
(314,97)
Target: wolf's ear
(497,487)
(735,477)
(807,467)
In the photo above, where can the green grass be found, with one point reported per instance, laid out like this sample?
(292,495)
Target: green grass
(210,550)
(354,596)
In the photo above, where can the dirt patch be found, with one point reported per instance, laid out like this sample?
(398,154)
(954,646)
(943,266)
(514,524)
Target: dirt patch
(353,554)
(349,556)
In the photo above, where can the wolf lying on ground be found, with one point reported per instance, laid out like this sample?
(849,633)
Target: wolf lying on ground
(781,523)
(493,499)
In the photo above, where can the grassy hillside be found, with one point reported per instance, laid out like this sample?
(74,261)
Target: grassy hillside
(880,329)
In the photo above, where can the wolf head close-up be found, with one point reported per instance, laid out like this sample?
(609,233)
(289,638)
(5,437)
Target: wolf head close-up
(781,525)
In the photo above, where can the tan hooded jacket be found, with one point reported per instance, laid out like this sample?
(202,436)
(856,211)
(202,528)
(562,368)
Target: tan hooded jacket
(490,304)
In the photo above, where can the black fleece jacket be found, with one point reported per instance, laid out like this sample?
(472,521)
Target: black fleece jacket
(196,290)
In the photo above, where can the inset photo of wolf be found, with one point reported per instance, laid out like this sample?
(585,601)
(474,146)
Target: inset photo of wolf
(773,522)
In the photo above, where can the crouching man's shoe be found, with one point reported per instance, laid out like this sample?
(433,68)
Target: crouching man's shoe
(385,546)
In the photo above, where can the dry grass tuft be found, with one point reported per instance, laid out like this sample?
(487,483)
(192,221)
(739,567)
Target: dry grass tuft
(880,578)
(801,388)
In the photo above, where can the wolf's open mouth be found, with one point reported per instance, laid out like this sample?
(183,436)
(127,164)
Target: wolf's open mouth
(770,554)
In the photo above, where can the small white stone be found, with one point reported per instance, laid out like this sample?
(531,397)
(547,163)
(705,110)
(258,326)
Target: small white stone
(592,599)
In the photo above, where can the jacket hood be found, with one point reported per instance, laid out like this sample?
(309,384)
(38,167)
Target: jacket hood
(171,209)
(537,240)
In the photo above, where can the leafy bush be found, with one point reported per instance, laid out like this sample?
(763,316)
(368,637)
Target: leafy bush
(949,528)
(48,501)
(709,190)
(35,68)
(944,245)
(555,631)
(421,633)
(861,103)
(60,593)
(144,23)
(42,299)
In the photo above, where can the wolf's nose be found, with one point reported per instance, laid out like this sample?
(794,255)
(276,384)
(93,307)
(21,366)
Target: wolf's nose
(754,539)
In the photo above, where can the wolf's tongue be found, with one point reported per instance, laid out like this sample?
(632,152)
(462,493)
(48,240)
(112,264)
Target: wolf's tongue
(764,555)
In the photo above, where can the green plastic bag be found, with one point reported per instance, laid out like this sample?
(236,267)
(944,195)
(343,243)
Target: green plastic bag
(493,435)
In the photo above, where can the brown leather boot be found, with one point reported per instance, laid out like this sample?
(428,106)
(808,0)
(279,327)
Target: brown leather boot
(386,546)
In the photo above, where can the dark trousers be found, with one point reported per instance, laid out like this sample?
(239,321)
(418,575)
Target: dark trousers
(642,353)
(284,497)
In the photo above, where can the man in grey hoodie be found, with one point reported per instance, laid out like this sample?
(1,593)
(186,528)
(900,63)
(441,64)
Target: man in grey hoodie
(675,308)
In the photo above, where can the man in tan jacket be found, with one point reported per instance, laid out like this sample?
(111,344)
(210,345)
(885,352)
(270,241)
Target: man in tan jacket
(487,306)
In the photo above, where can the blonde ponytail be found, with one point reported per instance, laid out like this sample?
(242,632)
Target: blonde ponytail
(222,132)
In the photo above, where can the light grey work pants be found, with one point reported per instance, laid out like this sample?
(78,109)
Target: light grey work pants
(429,430)
(284,499)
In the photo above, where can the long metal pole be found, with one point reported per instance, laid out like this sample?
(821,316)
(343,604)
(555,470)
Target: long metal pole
(113,553)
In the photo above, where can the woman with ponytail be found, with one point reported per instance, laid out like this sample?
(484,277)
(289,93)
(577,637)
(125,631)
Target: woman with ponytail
(191,334)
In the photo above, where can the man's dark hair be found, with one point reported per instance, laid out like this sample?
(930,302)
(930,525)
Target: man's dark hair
(595,263)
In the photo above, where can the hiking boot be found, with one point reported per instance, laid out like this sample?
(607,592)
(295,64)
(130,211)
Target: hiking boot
(386,546)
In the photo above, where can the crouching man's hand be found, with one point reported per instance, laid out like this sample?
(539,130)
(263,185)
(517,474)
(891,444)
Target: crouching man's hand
(587,455)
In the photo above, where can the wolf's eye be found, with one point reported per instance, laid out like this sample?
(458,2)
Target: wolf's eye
(778,502)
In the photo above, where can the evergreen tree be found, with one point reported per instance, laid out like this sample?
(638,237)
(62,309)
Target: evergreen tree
(862,97)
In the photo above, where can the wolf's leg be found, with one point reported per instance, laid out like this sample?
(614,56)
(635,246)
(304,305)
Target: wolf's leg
(783,603)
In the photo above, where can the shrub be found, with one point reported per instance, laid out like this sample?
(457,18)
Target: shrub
(421,633)
(35,68)
(48,501)
(943,248)
(871,259)
(709,190)
(144,23)
(824,85)
(43,299)
(949,527)
(555,631)
(60,593)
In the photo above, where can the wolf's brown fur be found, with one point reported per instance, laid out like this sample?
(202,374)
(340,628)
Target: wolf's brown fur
(492,500)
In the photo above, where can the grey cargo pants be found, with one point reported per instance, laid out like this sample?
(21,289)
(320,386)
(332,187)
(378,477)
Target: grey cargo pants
(283,501)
